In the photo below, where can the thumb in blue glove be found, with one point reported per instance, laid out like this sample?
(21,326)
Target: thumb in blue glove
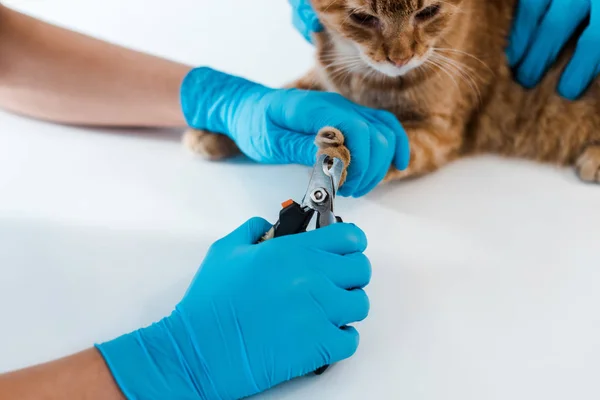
(254,316)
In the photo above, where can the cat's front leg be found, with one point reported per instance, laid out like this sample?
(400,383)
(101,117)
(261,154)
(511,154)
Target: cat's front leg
(212,146)
(431,147)
(310,81)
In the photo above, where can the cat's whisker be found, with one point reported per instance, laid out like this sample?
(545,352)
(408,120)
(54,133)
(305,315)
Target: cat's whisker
(455,8)
(344,63)
(425,67)
(329,5)
(455,62)
(336,57)
(441,68)
(348,70)
(336,54)
(458,64)
(339,72)
(444,70)
(338,64)
(450,50)
(370,72)
(464,76)
(347,65)
(348,16)
(338,60)
(461,73)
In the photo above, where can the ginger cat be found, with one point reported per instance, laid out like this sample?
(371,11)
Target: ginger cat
(440,67)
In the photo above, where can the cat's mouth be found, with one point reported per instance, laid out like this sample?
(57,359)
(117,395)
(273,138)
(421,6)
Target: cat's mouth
(350,53)
(394,70)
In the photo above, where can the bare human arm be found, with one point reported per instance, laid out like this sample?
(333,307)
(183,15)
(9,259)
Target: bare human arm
(58,75)
(81,376)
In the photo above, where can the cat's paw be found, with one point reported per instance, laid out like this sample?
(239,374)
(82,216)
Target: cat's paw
(588,164)
(330,141)
(210,145)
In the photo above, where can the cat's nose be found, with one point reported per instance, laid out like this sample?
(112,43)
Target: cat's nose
(398,61)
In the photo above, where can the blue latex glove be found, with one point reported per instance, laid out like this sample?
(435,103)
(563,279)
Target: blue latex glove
(541,29)
(254,316)
(305,19)
(280,125)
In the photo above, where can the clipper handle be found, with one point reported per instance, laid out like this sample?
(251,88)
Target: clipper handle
(292,220)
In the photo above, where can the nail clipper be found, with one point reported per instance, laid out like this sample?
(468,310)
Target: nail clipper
(316,209)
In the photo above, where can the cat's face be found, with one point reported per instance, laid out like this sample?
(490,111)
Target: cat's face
(389,36)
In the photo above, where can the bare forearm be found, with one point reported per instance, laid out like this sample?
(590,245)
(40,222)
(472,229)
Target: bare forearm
(51,73)
(81,376)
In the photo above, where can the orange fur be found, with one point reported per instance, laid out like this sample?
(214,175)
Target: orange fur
(463,100)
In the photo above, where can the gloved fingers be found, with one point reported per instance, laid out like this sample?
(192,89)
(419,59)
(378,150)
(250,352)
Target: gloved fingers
(402,153)
(399,148)
(357,135)
(342,343)
(301,26)
(341,239)
(583,67)
(308,112)
(292,147)
(308,21)
(345,307)
(383,145)
(528,14)
(314,24)
(557,27)
(249,232)
(352,271)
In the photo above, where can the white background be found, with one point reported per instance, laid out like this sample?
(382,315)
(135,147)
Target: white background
(486,274)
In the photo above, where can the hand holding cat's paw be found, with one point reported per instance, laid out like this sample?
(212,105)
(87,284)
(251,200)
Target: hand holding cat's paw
(331,141)
(279,126)
(367,141)
(375,144)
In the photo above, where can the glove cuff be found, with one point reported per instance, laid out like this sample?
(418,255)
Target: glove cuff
(149,364)
(211,99)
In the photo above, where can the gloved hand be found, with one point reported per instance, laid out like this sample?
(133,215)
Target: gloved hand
(280,125)
(254,316)
(541,29)
(305,19)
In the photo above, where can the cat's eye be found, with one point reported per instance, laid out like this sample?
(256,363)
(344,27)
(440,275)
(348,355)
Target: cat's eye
(428,12)
(364,19)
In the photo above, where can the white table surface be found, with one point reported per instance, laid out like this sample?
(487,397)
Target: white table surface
(486,274)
